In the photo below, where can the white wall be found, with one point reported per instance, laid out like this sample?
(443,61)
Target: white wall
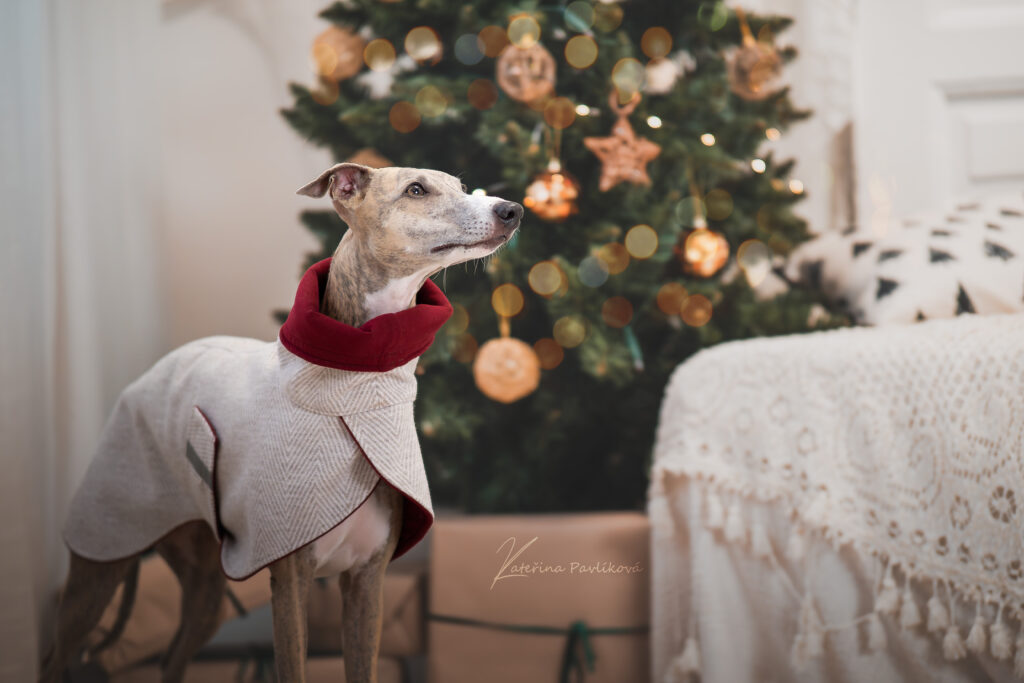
(230,242)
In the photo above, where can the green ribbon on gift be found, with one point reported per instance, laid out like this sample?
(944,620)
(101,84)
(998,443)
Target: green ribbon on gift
(578,655)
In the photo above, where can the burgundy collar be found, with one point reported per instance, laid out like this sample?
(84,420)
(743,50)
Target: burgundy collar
(378,345)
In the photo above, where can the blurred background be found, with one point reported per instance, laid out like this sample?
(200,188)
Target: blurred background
(149,176)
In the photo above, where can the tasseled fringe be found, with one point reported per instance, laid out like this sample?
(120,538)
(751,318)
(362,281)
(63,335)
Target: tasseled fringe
(686,664)
(810,638)
(796,547)
(1001,643)
(735,531)
(759,542)
(977,642)
(910,616)
(953,644)
(715,511)
(888,599)
(876,633)
(1018,659)
(938,617)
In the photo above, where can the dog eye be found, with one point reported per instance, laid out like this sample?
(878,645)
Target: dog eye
(415,190)
(464,188)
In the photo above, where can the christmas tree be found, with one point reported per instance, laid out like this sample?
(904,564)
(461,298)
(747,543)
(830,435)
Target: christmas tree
(635,134)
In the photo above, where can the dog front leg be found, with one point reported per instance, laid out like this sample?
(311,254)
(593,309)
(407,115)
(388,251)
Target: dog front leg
(362,600)
(290,580)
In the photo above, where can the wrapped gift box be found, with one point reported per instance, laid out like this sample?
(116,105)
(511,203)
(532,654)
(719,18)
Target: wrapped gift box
(318,670)
(402,634)
(513,597)
(156,613)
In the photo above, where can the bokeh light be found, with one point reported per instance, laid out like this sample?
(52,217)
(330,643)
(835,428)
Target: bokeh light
(549,353)
(713,15)
(580,51)
(579,15)
(708,139)
(423,44)
(758,165)
(755,258)
(570,331)
(796,187)
(671,296)
(431,101)
(582,110)
(459,322)
(628,77)
(404,116)
(482,93)
(592,272)
(696,310)
(379,54)
(641,241)
(469,49)
(559,112)
(607,16)
(507,300)
(523,31)
(464,348)
(546,278)
(617,311)
(656,42)
(773,134)
(494,39)
(654,121)
(614,257)
(718,204)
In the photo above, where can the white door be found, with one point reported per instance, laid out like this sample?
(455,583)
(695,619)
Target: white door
(938,104)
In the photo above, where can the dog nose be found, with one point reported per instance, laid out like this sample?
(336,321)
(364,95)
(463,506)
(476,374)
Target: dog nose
(508,212)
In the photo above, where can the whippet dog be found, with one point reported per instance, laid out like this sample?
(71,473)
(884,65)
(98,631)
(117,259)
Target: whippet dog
(405,225)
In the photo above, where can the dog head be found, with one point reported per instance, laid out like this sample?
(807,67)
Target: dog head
(416,219)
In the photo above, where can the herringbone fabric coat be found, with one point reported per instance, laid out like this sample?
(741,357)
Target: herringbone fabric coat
(270,449)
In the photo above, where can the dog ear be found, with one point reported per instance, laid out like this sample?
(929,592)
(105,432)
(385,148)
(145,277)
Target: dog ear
(343,181)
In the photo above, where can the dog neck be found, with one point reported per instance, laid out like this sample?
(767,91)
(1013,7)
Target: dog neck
(360,286)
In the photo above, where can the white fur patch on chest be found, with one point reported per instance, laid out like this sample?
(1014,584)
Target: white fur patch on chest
(397,295)
(355,540)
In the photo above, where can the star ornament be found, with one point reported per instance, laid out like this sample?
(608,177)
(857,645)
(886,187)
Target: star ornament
(623,155)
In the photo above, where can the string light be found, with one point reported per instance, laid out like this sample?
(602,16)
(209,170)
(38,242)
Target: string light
(758,165)
(654,121)
(582,110)
(773,134)
(708,139)
(479,192)
(796,187)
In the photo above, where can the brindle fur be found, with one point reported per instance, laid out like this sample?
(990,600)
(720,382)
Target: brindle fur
(380,264)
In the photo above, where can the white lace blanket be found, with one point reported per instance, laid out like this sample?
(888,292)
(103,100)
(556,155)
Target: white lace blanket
(906,442)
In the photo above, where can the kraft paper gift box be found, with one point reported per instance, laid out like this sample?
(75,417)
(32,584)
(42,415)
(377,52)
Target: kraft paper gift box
(402,633)
(318,670)
(157,609)
(528,598)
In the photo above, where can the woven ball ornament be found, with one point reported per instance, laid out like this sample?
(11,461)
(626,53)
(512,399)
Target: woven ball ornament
(755,66)
(338,53)
(526,74)
(506,369)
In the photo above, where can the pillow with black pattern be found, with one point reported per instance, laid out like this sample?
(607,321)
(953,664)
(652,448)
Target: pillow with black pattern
(968,259)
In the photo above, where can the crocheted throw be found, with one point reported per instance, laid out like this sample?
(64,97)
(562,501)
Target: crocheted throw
(272,443)
(905,442)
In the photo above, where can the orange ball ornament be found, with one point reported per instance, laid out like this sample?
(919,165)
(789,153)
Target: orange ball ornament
(506,369)
(338,53)
(704,252)
(552,195)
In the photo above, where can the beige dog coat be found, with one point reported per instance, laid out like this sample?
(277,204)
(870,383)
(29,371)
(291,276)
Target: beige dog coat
(271,443)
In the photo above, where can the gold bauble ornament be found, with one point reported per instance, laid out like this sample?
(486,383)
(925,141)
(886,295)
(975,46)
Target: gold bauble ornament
(704,252)
(506,369)
(338,53)
(755,66)
(552,195)
(526,73)
(623,155)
